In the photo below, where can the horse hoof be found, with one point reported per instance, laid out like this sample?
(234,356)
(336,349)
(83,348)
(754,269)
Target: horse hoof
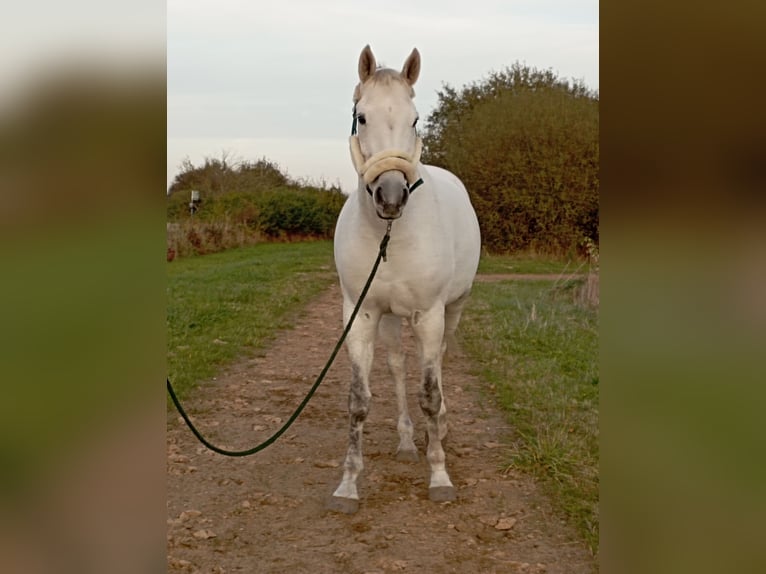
(343,505)
(442,493)
(407,456)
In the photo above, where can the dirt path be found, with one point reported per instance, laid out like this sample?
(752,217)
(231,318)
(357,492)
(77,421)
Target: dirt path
(265,513)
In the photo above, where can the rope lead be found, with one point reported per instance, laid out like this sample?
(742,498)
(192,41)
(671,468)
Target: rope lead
(269,441)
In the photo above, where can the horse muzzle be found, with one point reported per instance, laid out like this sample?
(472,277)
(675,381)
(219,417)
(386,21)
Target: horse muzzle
(389,193)
(388,176)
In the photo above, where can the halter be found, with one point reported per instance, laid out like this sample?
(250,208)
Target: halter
(385,160)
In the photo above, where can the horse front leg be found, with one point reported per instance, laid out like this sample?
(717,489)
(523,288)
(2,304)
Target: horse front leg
(360,345)
(429,330)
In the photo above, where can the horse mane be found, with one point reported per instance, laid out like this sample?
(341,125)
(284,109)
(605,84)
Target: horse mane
(385,77)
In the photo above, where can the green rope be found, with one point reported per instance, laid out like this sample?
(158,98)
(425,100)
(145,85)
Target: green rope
(291,420)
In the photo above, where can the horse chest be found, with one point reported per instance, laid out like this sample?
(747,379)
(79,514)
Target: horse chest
(404,293)
(414,277)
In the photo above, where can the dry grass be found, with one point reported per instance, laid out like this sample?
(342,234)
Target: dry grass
(195,237)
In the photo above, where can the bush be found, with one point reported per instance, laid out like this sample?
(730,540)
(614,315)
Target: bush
(196,237)
(257,203)
(225,175)
(525,144)
(286,213)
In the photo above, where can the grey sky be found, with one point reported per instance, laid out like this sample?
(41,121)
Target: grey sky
(274,79)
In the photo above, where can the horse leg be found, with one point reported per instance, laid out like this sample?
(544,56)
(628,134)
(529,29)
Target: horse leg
(452,314)
(429,330)
(360,346)
(390,330)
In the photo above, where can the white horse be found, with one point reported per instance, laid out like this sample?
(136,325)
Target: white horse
(431,262)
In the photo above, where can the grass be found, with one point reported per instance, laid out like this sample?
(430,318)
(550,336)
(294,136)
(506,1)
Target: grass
(221,304)
(538,351)
(529,263)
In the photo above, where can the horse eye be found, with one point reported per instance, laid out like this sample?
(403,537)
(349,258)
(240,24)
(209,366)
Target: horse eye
(415,122)
(361,119)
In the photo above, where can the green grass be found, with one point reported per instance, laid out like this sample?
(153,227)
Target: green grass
(538,351)
(225,303)
(529,263)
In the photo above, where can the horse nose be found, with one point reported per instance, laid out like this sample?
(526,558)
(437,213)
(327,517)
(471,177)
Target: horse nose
(390,195)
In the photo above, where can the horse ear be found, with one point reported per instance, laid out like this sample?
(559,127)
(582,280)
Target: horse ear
(366,64)
(411,68)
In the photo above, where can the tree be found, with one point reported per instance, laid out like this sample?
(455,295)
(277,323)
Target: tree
(525,143)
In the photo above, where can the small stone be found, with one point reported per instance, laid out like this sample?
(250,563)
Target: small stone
(187,514)
(204,534)
(505,523)
(245,504)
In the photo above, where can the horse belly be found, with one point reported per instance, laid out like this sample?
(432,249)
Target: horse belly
(403,303)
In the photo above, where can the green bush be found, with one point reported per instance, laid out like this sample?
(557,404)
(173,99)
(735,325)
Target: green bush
(525,144)
(256,203)
(287,213)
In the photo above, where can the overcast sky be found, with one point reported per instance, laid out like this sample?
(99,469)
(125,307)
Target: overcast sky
(274,79)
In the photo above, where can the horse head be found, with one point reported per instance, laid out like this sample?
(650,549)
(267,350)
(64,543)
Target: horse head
(385,146)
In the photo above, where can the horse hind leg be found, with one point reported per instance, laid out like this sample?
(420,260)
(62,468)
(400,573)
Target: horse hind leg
(390,330)
(452,314)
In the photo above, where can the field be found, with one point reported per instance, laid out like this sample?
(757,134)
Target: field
(532,346)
